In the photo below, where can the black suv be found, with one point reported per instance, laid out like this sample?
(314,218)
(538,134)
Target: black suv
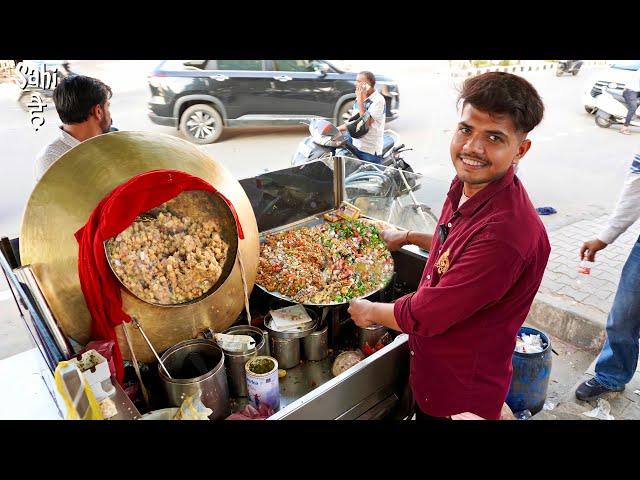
(201,97)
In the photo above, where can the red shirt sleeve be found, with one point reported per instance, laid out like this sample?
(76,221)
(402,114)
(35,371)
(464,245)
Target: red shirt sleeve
(483,273)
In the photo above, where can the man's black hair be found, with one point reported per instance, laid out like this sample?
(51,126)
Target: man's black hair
(505,94)
(371,79)
(76,95)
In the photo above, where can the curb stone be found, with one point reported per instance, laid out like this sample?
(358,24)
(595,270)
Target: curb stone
(560,320)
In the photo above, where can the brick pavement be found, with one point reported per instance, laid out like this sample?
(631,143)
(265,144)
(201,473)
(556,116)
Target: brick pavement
(594,294)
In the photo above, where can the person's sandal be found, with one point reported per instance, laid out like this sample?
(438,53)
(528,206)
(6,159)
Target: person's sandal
(625,131)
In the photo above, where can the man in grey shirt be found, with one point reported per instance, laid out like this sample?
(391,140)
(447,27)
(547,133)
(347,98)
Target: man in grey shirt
(82,104)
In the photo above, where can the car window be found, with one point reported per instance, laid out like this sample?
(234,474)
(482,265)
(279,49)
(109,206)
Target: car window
(626,65)
(183,64)
(236,65)
(294,65)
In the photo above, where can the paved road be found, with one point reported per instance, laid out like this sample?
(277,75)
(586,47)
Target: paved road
(573,165)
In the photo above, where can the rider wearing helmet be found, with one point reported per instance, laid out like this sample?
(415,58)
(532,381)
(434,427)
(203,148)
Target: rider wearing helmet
(365,130)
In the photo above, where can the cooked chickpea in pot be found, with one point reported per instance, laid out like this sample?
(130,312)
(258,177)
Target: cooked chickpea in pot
(172,258)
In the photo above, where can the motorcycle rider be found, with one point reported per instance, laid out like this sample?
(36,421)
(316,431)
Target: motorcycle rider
(368,99)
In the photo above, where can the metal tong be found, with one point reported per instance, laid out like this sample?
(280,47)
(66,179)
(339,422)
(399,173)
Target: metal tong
(138,326)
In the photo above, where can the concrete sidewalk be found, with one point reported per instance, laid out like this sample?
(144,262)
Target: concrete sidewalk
(623,405)
(573,308)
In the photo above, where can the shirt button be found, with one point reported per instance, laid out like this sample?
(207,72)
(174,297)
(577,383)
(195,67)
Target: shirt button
(440,250)
(428,277)
(412,353)
(449,225)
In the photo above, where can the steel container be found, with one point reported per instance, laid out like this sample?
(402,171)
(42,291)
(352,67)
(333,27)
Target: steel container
(286,351)
(235,361)
(370,335)
(316,346)
(211,386)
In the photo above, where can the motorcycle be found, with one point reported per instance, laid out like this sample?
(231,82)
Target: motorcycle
(365,180)
(325,140)
(612,109)
(568,66)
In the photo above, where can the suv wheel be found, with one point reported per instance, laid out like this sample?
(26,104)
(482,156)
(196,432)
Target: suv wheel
(201,124)
(345,113)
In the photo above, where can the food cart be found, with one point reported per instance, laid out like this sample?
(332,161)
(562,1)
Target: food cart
(375,388)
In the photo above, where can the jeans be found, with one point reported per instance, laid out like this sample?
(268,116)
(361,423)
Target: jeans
(619,356)
(369,157)
(631,98)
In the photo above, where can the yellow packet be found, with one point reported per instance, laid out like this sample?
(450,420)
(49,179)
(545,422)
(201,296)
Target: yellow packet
(348,211)
(79,400)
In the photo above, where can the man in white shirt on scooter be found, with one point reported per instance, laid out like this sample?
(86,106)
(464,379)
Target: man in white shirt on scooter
(368,99)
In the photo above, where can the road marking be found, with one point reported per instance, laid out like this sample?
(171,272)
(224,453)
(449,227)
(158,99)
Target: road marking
(5,295)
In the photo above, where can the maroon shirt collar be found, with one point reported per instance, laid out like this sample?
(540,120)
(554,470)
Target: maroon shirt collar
(480,198)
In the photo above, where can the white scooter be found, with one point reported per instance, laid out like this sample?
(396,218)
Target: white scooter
(612,109)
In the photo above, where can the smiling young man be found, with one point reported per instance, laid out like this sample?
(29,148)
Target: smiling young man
(486,261)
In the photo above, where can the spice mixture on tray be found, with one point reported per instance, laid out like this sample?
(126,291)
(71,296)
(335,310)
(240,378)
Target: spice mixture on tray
(327,263)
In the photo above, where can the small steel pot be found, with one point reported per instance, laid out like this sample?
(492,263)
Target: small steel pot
(316,346)
(286,351)
(370,335)
(296,334)
(236,375)
(211,386)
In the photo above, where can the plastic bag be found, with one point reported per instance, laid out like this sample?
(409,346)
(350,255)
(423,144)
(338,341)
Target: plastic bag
(192,408)
(602,411)
(249,412)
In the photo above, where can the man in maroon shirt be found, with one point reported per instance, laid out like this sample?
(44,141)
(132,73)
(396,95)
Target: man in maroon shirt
(486,260)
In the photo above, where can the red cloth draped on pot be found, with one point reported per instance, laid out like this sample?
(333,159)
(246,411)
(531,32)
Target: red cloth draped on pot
(114,213)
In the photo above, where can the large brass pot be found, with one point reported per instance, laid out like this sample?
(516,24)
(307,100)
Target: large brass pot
(66,195)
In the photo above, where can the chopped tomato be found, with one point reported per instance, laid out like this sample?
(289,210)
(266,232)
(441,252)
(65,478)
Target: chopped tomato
(367,350)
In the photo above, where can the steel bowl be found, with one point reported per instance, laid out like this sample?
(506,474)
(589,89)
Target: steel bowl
(290,335)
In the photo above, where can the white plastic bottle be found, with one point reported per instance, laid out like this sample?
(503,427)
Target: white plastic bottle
(584,273)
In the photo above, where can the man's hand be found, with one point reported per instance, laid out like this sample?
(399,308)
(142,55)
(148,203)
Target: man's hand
(466,416)
(361,92)
(360,311)
(592,246)
(394,238)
